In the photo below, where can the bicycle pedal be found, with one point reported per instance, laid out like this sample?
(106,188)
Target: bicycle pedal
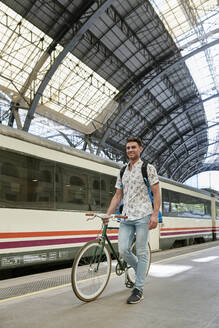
(129,284)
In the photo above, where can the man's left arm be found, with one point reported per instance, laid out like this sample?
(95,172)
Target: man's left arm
(154,217)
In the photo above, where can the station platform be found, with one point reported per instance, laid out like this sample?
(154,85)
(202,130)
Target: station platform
(182,290)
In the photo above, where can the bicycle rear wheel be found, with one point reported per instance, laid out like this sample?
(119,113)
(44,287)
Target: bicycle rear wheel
(91,271)
(131,271)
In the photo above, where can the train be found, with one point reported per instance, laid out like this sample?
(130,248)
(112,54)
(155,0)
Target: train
(46,188)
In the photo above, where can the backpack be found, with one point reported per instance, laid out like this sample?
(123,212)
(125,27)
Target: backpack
(145,177)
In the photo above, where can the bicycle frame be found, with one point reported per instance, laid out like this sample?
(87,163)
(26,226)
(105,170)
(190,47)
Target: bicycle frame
(104,237)
(93,265)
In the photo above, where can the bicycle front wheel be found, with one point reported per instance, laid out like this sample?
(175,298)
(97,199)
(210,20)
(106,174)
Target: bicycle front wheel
(131,271)
(91,271)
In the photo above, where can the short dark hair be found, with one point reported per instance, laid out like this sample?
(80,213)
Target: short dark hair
(134,139)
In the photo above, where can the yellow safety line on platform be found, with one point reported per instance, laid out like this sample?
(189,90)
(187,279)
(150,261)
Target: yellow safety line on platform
(34,293)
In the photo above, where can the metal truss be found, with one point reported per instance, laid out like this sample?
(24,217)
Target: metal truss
(192,157)
(141,88)
(183,143)
(192,15)
(125,28)
(166,126)
(199,167)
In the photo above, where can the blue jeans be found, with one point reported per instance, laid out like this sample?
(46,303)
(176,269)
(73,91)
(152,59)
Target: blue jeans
(139,261)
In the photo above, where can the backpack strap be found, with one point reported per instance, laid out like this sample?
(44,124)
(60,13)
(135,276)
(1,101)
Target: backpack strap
(145,177)
(145,173)
(122,170)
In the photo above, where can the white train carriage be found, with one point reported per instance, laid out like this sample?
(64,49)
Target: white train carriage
(46,188)
(187,215)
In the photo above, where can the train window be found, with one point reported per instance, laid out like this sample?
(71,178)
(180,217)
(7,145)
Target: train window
(217,211)
(45,176)
(101,195)
(96,185)
(76,181)
(26,185)
(103,185)
(10,170)
(38,181)
(9,182)
(112,185)
(94,191)
(41,184)
(72,189)
(107,190)
(175,204)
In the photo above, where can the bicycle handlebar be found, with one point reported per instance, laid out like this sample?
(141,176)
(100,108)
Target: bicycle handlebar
(107,217)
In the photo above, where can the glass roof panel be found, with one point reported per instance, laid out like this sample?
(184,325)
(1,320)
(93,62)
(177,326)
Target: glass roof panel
(74,90)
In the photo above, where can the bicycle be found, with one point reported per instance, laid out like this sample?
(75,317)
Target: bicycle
(93,265)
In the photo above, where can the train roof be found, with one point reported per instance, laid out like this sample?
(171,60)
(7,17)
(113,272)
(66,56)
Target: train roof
(28,137)
(205,192)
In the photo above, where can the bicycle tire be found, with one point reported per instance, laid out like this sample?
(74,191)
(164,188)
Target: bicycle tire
(88,282)
(131,271)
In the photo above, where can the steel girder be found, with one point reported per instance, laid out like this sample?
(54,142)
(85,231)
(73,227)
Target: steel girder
(141,88)
(180,160)
(193,156)
(183,144)
(126,29)
(199,168)
(166,126)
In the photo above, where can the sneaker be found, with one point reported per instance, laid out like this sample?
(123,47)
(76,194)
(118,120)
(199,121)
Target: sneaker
(136,296)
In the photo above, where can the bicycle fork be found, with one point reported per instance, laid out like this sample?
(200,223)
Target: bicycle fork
(102,241)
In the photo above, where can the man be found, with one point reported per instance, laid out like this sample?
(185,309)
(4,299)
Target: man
(138,208)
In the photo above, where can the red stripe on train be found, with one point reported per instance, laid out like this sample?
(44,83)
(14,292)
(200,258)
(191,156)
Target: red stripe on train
(187,228)
(52,233)
(184,232)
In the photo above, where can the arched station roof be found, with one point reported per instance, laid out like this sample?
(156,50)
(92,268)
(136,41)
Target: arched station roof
(112,68)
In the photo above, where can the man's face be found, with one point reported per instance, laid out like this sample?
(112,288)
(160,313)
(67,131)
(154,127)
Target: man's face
(133,150)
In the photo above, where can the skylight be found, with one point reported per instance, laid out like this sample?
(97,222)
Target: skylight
(75,91)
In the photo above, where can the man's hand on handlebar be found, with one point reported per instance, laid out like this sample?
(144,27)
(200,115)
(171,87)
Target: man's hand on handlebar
(105,219)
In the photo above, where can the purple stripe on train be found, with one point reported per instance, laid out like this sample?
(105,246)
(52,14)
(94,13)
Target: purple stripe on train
(183,232)
(47,242)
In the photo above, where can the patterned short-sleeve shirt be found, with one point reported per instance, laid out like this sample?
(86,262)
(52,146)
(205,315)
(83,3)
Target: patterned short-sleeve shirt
(137,203)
